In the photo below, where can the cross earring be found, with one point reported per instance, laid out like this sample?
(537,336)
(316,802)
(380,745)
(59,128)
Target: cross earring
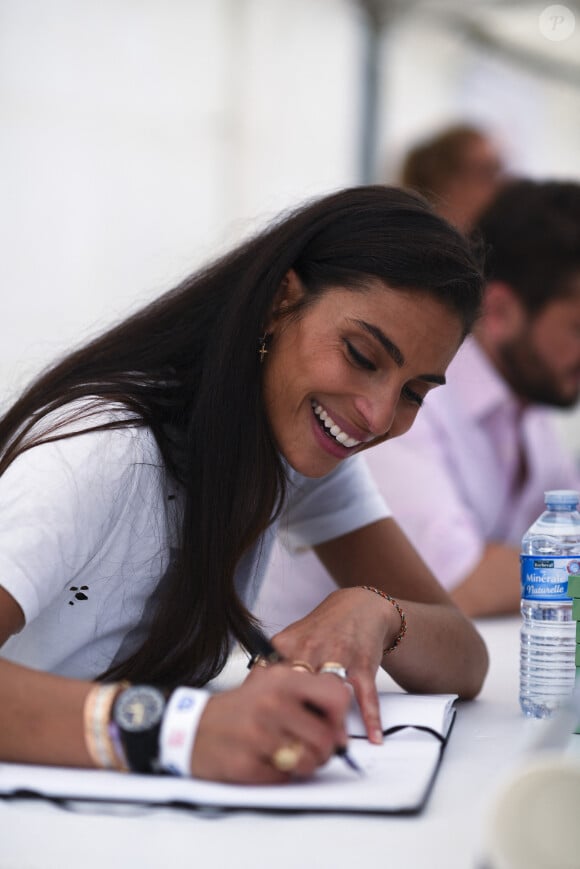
(262,350)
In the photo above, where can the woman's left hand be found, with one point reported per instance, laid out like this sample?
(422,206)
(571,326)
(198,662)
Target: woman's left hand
(350,627)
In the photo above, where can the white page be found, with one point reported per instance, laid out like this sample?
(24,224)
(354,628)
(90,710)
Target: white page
(421,710)
(397,776)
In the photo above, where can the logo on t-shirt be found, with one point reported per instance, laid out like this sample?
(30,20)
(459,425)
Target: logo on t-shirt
(79,593)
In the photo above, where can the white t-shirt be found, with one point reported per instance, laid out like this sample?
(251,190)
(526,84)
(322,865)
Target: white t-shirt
(87,525)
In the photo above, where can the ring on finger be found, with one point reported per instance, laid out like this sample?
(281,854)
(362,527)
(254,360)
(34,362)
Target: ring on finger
(287,757)
(334,667)
(258,661)
(302,665)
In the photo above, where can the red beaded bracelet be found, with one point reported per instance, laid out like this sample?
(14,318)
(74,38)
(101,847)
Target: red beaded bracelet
(403,628)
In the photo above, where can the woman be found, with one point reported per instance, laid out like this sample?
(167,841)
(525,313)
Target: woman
(143,478)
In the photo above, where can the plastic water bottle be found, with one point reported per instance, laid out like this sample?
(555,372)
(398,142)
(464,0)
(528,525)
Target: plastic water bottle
(550,554)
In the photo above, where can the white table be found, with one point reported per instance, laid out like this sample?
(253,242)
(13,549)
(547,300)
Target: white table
(489,738)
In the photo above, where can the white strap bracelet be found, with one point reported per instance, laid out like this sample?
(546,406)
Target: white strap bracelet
(180,721)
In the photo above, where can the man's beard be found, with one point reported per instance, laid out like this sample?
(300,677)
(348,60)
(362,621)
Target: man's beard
(528,375)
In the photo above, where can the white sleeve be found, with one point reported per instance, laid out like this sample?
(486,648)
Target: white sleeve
(58,503)
(342,501)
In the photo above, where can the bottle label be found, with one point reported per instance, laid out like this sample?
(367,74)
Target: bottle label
(547,578)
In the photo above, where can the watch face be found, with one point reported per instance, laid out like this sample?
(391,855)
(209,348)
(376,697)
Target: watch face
(139,708)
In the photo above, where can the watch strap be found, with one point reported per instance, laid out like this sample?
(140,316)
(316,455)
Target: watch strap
(141,747)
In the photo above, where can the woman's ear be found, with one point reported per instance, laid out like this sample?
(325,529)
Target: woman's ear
(290,294)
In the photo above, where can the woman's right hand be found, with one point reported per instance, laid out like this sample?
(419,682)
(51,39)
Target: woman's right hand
(241,730)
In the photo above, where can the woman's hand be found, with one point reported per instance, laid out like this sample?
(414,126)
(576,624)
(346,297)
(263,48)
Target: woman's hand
(241,730)
(351,627)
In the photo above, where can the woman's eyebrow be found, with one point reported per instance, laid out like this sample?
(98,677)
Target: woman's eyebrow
(394,352)
(380,336)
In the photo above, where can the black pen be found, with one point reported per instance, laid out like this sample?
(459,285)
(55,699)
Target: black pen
(263,648)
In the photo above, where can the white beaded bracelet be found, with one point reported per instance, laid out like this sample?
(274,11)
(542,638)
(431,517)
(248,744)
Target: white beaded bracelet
(178,729)
(96,718)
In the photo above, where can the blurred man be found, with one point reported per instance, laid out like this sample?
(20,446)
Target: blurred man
(459,171)
(468,479)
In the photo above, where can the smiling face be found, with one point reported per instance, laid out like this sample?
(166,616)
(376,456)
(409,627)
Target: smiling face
(352,369)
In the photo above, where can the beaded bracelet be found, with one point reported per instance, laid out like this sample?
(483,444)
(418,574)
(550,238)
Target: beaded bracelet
(96,717)
(402,629)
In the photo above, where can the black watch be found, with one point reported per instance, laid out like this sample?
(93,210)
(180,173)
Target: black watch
(138,713)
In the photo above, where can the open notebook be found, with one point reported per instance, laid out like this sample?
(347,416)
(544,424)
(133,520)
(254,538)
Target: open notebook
(398,774)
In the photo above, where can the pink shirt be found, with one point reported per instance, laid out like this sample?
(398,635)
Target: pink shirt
(448,482)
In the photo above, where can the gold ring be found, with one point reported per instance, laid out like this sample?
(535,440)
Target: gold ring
(334,667)
(259,661)
(286,758)
(303,665)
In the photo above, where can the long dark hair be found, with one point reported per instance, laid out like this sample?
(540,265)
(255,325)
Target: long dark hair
(187,366)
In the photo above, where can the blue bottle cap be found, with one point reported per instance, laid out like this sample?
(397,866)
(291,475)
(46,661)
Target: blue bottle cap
(562,497)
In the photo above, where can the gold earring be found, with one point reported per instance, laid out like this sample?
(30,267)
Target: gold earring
(262,350)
